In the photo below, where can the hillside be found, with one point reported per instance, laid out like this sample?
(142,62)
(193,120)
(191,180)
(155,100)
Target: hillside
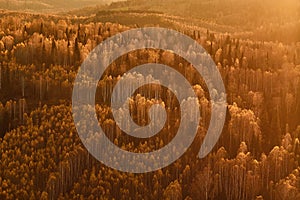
(48,6)
(258,20)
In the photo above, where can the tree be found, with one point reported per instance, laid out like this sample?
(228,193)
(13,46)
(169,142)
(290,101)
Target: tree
(173,191)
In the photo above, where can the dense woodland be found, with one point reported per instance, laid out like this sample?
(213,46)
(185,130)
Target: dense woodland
(42,157)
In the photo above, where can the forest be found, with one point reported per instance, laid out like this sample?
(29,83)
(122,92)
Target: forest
(42,156)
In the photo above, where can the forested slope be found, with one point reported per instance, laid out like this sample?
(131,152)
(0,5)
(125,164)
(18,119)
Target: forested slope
(42,157)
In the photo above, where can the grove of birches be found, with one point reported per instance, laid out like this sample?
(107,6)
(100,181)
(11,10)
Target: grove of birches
(42,156)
